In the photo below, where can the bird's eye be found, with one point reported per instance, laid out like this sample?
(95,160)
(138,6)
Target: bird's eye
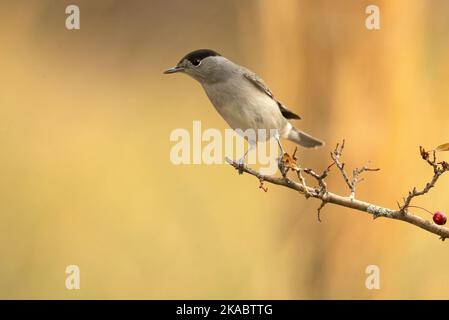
(196,62)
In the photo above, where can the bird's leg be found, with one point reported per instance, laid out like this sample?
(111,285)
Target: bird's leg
(280,145)
(277,137)
(252,145)
(241,161)
(281,164)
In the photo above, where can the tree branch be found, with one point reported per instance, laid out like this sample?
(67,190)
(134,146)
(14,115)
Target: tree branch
(352,183)
(289,163)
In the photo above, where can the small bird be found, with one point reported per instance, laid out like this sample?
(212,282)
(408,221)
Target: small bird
(242,98)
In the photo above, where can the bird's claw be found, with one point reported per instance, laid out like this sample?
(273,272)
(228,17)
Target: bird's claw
(240,165)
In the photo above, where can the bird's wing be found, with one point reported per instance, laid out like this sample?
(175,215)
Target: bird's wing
(287,113)
(259,84)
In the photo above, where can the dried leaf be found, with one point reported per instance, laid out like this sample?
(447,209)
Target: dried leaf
(289,162)
(443,147)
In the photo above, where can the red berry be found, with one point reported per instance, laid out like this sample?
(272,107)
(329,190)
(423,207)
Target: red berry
(439,218)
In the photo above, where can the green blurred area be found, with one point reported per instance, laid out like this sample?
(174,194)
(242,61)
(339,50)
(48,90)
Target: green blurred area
(85,174)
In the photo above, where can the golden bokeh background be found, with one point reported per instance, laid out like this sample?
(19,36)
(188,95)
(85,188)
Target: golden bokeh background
(85,176)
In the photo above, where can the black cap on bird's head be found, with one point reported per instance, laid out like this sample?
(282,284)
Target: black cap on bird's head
(193,58)
(196,56)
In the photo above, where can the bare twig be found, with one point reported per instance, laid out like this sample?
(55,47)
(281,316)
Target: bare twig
(335,155)
(438,169)
(321,191)
(323,203)
(351,183)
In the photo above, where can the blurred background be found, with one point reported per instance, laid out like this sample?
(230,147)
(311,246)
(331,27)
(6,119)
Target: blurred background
(85,175)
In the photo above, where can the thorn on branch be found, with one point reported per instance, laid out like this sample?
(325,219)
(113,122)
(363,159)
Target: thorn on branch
(261,186)
(323,203)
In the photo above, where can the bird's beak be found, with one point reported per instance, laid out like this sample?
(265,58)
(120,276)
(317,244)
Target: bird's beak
(173,70)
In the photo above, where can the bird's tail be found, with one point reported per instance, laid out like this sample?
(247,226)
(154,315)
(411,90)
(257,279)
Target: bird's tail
(303,139)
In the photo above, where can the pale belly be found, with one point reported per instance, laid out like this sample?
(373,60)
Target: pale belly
(242,111)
